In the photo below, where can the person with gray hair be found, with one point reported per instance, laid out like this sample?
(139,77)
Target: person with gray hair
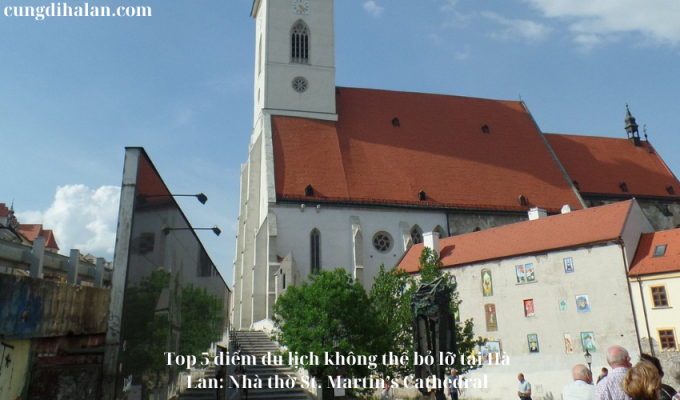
(581,388)
(674,372)
(609,388)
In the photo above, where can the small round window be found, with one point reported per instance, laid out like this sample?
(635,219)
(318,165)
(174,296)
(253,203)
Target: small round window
(300,84)
(382,241)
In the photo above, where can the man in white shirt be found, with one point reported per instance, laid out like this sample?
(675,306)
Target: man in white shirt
(524,390)
(581,388)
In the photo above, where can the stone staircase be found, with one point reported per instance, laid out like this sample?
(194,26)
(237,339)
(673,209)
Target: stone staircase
(257,343)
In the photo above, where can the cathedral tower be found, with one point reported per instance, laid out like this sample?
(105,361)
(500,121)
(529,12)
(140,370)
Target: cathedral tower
(295,58)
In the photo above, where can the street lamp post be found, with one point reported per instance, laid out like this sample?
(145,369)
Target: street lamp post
(589,360)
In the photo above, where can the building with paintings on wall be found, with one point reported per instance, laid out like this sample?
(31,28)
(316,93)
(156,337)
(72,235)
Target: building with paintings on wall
(535,292)
(351,178)
(655,288)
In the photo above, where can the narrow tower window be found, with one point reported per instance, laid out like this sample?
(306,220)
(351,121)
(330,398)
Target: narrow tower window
(300,43)
(416,235)
(315,250)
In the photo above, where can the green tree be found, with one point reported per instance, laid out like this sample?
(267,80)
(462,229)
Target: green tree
(202,321)
(392,309)
(330,313)
(391,299)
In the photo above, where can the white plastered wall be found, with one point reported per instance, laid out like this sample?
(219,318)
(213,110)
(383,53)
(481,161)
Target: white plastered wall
(599,273)
(336,227)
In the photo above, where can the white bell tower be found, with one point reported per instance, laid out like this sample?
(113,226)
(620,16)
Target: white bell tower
(294,58)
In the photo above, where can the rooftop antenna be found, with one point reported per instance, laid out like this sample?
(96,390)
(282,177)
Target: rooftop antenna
(644,130)
(520,97)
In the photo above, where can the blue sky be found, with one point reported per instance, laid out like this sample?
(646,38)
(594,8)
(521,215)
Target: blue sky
(75,91)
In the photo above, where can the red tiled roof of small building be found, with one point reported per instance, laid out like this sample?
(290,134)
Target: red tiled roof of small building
(600,165)
(4,210)
(439,147)
(32,231)
(644,262)
(592,225)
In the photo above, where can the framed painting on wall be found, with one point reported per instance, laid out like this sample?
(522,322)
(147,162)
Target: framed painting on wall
(588,341)
(562,304)
(493,351)
(521,276)
(532,340)
(582,303)
(529,271)
(568,344)
(487,283)
(490,314)
(529,308)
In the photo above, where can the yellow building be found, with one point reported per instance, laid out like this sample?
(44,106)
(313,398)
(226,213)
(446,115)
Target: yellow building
(655,289)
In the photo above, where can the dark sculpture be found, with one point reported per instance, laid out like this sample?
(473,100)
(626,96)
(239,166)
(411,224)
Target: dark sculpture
(433,330)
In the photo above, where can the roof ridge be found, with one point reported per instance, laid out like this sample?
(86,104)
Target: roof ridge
(423,93)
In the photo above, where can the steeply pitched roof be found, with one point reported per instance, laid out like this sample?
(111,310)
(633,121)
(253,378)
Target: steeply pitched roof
(592,225)
(600,165)
(4,210)
(32,231)
(644,262)
(438,147)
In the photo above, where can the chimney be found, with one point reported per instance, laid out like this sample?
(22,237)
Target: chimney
(536,213)
(431,240)
(566,209)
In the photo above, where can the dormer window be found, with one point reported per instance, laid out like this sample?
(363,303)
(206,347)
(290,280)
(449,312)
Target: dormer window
(300,43)
(522,200)
(660,250)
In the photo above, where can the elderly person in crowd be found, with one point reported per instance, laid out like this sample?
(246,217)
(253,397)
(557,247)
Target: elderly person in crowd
(581,388)
(609,388)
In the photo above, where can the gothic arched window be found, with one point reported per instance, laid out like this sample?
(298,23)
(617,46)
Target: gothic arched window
(315,250)
(416,234)
(442,233)
(300,43)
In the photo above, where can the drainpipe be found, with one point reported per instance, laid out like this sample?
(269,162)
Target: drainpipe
(630,294)
(644,308)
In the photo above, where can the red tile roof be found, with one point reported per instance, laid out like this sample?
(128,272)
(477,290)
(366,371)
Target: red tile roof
(600,165)
(592,225)
(644,262)
(32,231)
(439,148)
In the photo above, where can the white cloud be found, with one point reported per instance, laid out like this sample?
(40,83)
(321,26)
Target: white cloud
(596,21)
(372,8)
(517,28)
(454,18)
(449,6)
(81,218)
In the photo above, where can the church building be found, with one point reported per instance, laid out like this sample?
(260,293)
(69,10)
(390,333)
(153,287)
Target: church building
(351,177)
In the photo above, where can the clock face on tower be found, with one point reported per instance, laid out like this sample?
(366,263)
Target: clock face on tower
(301,6)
